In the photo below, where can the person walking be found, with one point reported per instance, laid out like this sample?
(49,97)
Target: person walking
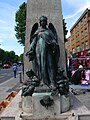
(14,70)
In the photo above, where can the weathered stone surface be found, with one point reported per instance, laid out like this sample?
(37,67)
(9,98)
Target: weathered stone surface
(12,111)
(27,104)
(84,117)
(41,111)
(80,111)
(42,89)
(65,103)
(60,118)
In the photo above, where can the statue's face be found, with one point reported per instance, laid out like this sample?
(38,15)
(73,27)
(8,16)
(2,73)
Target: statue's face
(43,23)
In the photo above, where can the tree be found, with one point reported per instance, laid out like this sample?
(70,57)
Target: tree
(21,57)
(8,57)
(16,58)
(21,24)
(12,56)
(64,30)
(20,27)
(2,55)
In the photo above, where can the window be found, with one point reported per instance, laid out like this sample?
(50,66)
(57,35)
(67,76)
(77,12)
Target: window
(85,20)
(82,34)
(78,37)
(86,45)
(81,24)
(78,48)
(73,50)
(82,46)
(86,32)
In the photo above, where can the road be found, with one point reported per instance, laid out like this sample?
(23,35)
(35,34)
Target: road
(8,83)
(6,74)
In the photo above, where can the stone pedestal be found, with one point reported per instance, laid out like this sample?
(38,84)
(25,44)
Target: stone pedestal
(41,111)
(32,106)
(14,112)
(27,104)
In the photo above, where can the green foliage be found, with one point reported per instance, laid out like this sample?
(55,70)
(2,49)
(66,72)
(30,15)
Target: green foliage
(65,30)
(20,28)
(21,58)
(2,55)
(16,59)
(8,57)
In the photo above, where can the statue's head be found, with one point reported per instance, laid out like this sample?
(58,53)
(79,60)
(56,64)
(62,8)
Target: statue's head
(43,21)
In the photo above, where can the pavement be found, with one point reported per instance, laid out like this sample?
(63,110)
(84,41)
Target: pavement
(12,84)
(82,93)
(84,99)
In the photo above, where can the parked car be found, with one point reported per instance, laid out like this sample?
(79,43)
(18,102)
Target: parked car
(6,66)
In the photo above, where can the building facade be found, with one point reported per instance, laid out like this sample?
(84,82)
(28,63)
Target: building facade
(68,46)
(79,41)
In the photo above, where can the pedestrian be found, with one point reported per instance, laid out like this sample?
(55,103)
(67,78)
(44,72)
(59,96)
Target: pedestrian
(14,70)
(78,75)
(80,66)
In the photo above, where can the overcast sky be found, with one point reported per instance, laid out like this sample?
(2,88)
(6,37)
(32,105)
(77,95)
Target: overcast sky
(71,10)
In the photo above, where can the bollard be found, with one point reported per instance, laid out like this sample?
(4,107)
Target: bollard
(20,75)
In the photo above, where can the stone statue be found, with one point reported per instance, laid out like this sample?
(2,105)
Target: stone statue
(44,51)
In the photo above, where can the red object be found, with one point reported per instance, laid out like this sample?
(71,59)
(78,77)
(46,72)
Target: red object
(6,66)
(88,61)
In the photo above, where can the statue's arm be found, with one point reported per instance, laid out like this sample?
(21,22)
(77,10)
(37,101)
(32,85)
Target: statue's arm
(31,52)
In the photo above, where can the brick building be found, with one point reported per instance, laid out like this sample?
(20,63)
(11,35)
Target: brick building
(79,41)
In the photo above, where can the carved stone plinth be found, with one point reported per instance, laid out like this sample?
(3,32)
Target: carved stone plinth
(41,111)
(27,104)
(32,107)
(78,111)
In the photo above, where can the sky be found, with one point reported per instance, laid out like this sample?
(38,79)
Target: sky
(8,41)
(71,10)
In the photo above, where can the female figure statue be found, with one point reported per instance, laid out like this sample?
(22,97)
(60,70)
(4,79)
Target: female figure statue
(44,51)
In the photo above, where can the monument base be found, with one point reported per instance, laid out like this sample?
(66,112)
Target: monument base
(14,111)
(39,112)
(45,104)
(63,116)
(32,105)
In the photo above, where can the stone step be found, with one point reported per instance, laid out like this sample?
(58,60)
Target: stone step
(77,111)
